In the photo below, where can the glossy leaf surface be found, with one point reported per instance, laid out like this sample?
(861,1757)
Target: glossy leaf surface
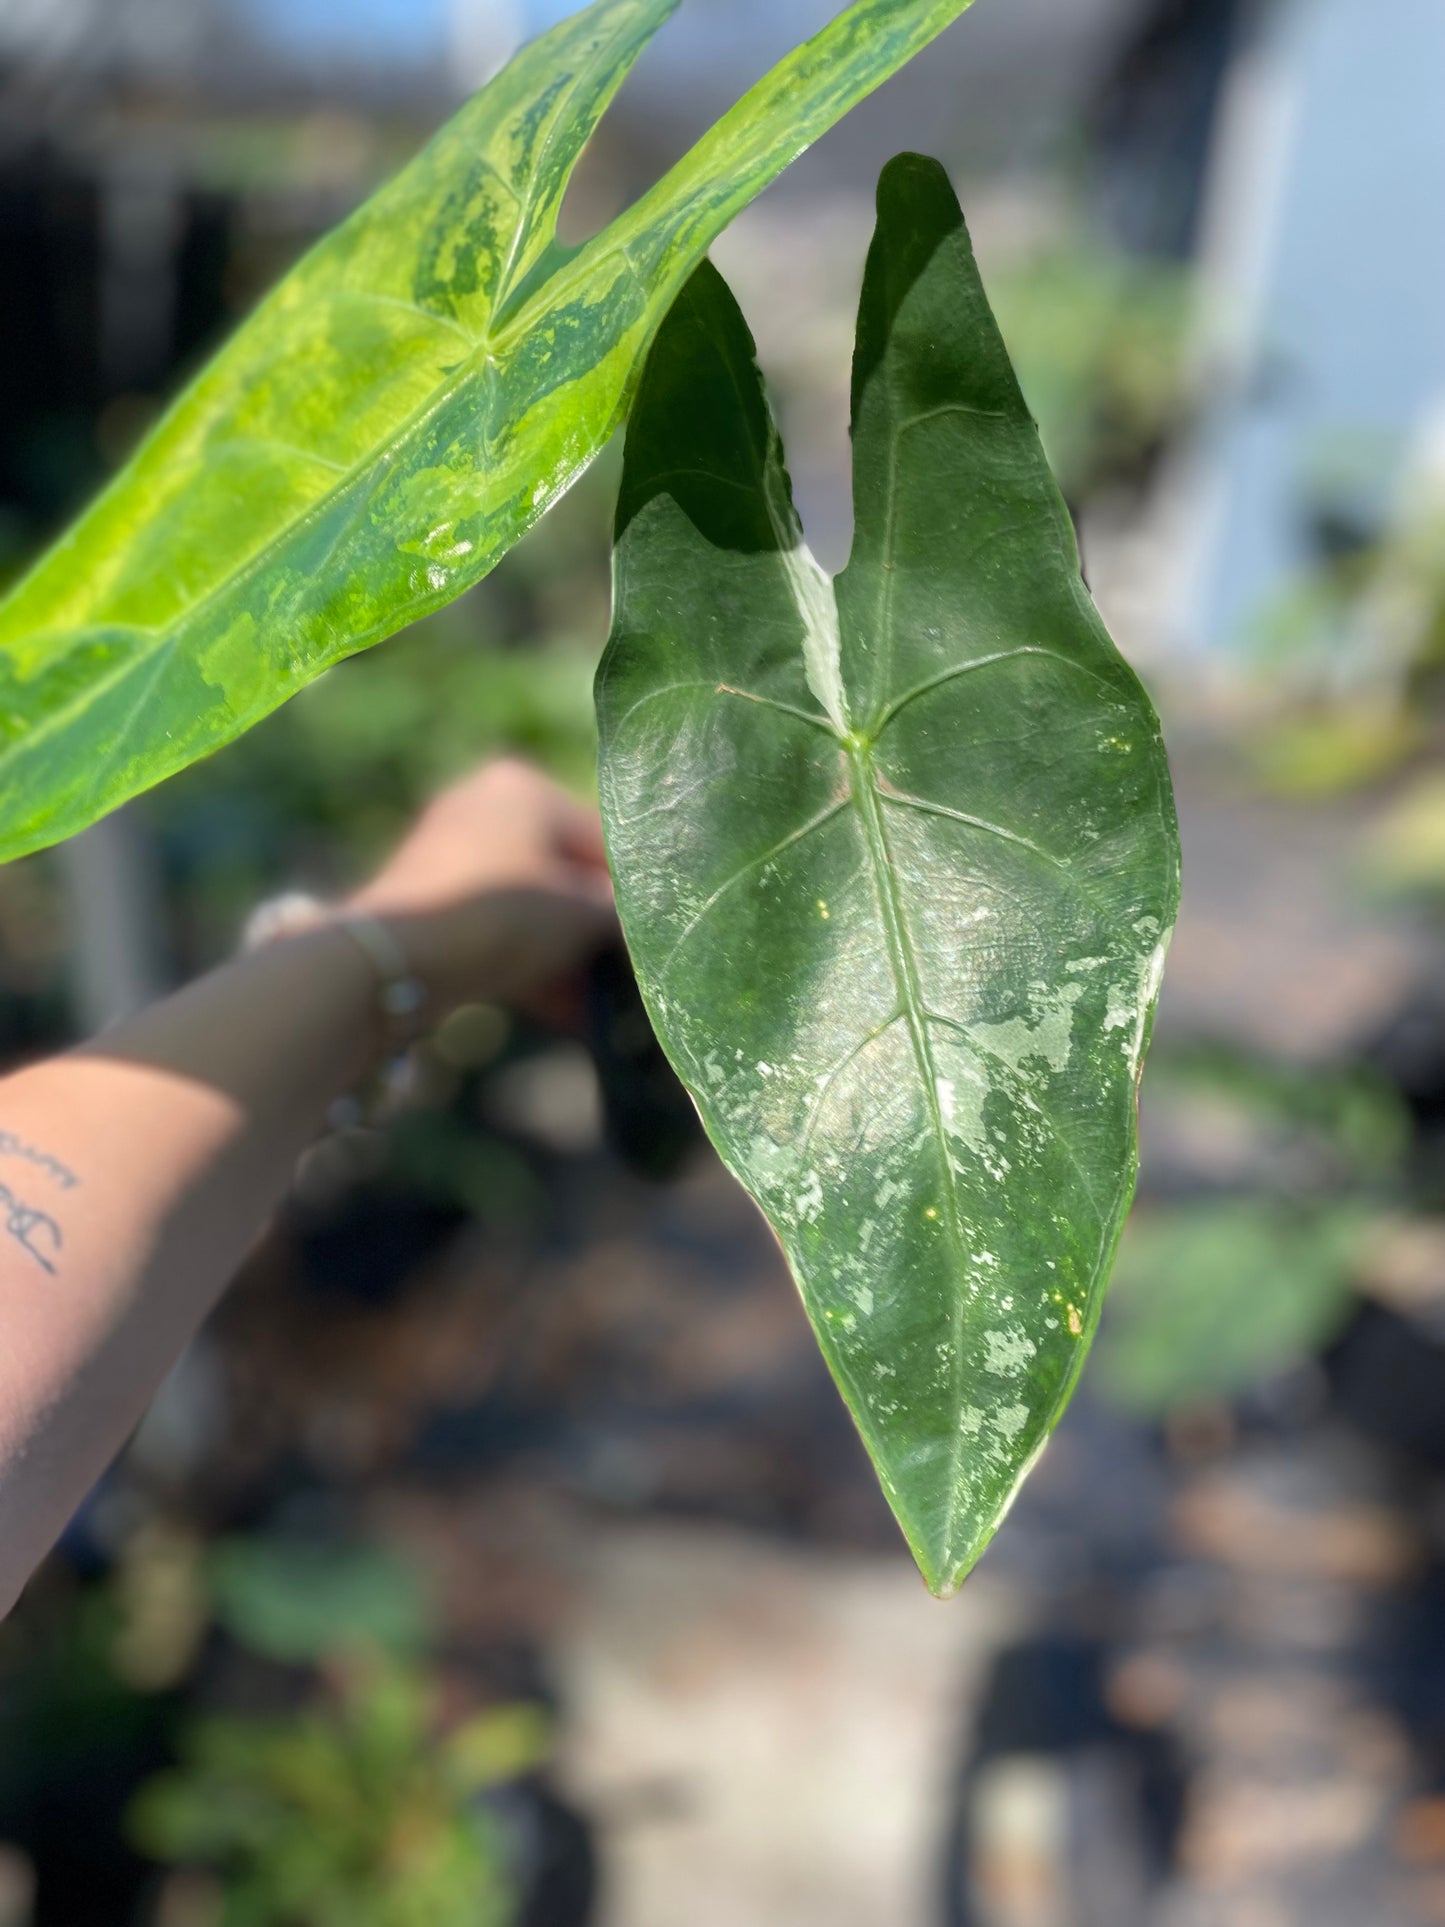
(896,859)
(402,407)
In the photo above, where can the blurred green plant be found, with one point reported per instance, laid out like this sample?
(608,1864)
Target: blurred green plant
(1212,1296)
(1347,1125)
(67,1711)
(1325,746)
(299,1601)
(353,1812)
(1098,339)
(1355,653)
(362,1807)
(1208,1299)
(1406,853)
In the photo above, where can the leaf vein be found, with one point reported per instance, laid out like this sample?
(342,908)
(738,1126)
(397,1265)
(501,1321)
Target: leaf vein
(902,800)
(926,415)
(830,1078)
(374,298)
(745,869)
(726,689)
(281,446)
(979,662)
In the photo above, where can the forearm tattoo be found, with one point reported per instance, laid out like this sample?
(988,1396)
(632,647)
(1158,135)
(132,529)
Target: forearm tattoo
(31,1227)
(16,1147)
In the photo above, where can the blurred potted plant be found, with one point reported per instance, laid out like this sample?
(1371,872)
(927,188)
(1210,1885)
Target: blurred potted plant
(351,1812)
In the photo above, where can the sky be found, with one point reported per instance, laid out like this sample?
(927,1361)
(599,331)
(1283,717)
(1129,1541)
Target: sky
(1344,226)
(415,32)
(419,33)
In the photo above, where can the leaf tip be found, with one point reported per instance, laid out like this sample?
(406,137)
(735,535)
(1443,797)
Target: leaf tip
(916,186)
(945,1567)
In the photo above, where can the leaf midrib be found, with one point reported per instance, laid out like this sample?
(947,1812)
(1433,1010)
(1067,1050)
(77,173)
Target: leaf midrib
(914,1011)
(162,637)
(868,796)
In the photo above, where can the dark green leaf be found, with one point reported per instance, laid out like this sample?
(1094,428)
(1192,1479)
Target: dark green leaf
(897,868)
(301,1602)
(1210,1298)
(393,417)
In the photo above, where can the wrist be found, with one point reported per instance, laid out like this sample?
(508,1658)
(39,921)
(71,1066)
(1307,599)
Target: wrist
(459,953)
(400,997)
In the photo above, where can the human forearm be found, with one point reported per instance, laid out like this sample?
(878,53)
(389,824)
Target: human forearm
(135,1173)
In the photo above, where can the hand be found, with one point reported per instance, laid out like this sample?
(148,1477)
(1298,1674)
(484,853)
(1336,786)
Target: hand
(499,890)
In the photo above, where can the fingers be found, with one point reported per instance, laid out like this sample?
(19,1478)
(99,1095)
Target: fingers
(522,943)
(579,828)
(521,797)
(502,880)
(593,885)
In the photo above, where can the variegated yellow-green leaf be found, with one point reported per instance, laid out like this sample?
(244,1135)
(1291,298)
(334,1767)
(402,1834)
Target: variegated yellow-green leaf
(394,416)
(896,860)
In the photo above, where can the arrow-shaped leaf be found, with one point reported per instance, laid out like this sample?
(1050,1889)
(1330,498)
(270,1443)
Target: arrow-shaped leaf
(897,866)
(403,406)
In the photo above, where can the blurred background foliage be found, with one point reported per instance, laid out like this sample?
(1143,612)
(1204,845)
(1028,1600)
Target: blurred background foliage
(1210,1299)
(1099,339)
(350,1813)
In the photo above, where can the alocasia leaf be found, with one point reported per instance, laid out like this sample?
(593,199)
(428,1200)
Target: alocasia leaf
(403,406)
(896,859)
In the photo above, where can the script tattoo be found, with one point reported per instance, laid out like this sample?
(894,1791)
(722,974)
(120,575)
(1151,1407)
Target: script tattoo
(16,1147)
(33,1230)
